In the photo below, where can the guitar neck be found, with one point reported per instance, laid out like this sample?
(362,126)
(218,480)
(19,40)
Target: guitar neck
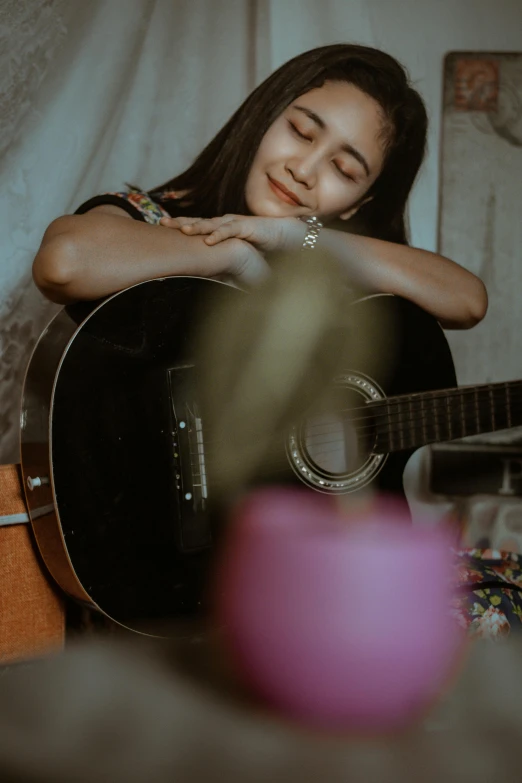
(414,420)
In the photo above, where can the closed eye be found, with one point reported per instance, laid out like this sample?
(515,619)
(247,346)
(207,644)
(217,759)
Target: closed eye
(297,132)
(344,174)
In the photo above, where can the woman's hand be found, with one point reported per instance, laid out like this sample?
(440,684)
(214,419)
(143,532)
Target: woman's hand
(265,233)
(247,268)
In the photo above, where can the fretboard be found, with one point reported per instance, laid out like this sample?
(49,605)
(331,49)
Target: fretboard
(413,420)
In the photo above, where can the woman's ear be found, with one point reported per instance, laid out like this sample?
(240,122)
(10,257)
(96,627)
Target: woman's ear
(353,210)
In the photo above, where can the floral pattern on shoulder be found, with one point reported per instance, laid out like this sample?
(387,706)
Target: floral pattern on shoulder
(151,210)
(173,194)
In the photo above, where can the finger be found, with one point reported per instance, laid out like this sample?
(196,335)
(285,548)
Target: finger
(202,226)
(177,222)
(223,232)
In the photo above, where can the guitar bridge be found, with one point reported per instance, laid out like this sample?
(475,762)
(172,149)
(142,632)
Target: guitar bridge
(188,460)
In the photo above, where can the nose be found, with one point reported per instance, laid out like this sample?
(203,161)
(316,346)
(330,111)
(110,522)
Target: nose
(303,169)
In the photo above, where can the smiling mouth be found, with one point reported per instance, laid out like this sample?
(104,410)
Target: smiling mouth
(284,194)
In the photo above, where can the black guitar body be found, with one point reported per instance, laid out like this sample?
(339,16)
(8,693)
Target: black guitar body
(104,402)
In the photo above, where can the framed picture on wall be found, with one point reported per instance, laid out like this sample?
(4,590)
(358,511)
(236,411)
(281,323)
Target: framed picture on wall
(480,204)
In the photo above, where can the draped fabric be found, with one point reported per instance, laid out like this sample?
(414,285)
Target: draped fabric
(94,94)
(97,94)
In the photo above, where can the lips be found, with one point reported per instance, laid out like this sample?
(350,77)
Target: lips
(284,194)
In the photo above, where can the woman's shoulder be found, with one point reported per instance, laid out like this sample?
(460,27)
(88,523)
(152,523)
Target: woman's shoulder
(139,204)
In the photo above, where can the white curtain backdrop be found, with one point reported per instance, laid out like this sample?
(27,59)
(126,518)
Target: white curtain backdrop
(98,92)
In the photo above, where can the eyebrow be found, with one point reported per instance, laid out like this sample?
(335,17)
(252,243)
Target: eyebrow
(345,147)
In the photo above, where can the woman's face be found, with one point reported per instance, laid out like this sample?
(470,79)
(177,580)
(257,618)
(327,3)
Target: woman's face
(320,156)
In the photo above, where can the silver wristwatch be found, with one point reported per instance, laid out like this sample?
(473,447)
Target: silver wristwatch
(314,228)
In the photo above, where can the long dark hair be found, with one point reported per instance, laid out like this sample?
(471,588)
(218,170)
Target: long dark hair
(216,180)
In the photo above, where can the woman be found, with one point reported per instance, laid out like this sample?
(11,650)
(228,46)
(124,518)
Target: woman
(336,133)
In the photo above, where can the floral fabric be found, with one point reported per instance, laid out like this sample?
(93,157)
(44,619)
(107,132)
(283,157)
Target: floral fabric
(489,603)
(137,203)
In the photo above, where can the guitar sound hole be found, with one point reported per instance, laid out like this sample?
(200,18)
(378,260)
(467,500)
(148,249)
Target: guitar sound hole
(338,438)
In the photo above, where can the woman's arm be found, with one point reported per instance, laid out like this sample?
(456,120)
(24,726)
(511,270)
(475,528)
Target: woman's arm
(456,297)
(103,251)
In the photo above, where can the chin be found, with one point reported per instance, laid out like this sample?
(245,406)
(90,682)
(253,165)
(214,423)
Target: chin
(267,209)
(266,204)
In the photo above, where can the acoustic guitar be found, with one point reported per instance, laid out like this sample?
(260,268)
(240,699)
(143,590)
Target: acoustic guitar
(113,440)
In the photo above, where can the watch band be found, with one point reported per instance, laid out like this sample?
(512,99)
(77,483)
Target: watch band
(314,228)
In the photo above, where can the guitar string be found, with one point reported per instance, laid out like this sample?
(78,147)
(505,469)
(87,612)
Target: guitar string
(387,409)
(418,413)
(339,441)
(403,424)
(413,424)
(409,415)
(413,418)
(379,431)
(425,398)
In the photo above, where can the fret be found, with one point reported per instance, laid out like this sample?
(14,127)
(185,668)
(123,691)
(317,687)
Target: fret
(477,411)
(423,421)
(402,423)
(390,426)
(462,413)
(436,420)
(411,421)
(448,415)
(492,408)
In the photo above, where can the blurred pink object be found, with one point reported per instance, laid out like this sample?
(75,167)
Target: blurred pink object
(343,623)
